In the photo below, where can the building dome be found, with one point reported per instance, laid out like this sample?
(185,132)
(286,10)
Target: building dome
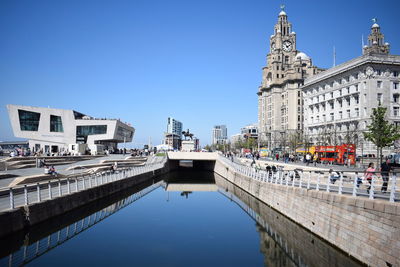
(302,56)
(375,25)
(282,13)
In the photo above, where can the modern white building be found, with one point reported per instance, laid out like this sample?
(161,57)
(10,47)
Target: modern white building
(53,130)
(174,126)
(338,102)
(219,135)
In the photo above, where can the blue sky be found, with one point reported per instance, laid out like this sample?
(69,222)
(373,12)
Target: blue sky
(144,60)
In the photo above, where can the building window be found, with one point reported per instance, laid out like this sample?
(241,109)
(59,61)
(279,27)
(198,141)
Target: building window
(348,113)
(56,124)
(356,86)
(340,114)
(396,98)
(348,90)
(379,98)
(395,111)
(83,131)
(332,116)
(395,73)
(331,94)
(357,99)
(357,111)
(395,85)
(379,84)
(28,120)
(124,132)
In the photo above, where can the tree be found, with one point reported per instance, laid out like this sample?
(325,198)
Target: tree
(380,131)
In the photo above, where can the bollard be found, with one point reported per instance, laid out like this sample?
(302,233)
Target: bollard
(26,195)
(50,196)
(12,206)
(38,192)
(393,188)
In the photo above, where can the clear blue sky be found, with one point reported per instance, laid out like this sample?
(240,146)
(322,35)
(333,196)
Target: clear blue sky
(144,60)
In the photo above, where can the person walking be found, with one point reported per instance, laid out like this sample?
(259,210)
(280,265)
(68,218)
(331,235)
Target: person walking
(368,175)
(385,170)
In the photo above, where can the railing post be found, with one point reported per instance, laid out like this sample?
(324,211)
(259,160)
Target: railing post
(393,188)
(83,182)
(50,196)
(76,185)
(26,195)
(59,188)
(318,181)
(287,176)
(328,182)
(301,178)
(38,192)
(309,179)
(340,184)
(372,187)
(68,186)
(90,181)
(355,184)
(12,206)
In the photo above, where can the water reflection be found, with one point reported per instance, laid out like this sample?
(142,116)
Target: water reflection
(282,242)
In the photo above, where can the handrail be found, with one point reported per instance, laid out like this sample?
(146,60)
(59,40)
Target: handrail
(37,192)
(324,180)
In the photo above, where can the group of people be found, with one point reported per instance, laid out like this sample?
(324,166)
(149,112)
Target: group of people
(371,171)
(50,170)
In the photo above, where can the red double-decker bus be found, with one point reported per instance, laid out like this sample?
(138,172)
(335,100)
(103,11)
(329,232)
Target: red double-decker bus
(337,154)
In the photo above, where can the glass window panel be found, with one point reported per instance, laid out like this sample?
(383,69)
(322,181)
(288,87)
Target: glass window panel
(28,120)
(56,124)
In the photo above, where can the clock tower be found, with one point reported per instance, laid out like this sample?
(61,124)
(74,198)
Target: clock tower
(280,105)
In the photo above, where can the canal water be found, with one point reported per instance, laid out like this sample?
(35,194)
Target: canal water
(185,219)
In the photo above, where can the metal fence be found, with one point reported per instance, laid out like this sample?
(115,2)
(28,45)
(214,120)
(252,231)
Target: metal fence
(14,197)
(28,253)
(347,182)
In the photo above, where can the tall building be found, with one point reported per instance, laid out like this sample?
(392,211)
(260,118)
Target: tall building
(338,102)
(219,135)
(280,105)
(173,136)
(174,126)
(53,130)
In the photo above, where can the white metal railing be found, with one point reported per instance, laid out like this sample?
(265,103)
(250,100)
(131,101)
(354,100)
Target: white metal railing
(29,252)
(13,197)
(347,182)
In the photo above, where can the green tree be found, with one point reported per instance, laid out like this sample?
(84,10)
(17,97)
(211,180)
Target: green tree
(380,131)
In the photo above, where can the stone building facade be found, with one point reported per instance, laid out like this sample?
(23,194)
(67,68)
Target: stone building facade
(338,102)
(280,105)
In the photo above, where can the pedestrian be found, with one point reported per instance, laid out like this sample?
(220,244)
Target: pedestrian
(385,170)
(333,176)
(277,156)
(368,175)
(308,158)
(359,179)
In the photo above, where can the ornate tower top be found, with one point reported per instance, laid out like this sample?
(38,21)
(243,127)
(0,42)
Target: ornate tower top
(376,44)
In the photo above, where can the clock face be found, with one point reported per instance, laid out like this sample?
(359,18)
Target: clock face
(287,46)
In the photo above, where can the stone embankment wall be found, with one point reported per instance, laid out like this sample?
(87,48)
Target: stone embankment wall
(368,230)
(19,218)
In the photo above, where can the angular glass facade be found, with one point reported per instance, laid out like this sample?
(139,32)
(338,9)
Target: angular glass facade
(56,124)
(91,129)
(28,120)
(124,132)
(82,132)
